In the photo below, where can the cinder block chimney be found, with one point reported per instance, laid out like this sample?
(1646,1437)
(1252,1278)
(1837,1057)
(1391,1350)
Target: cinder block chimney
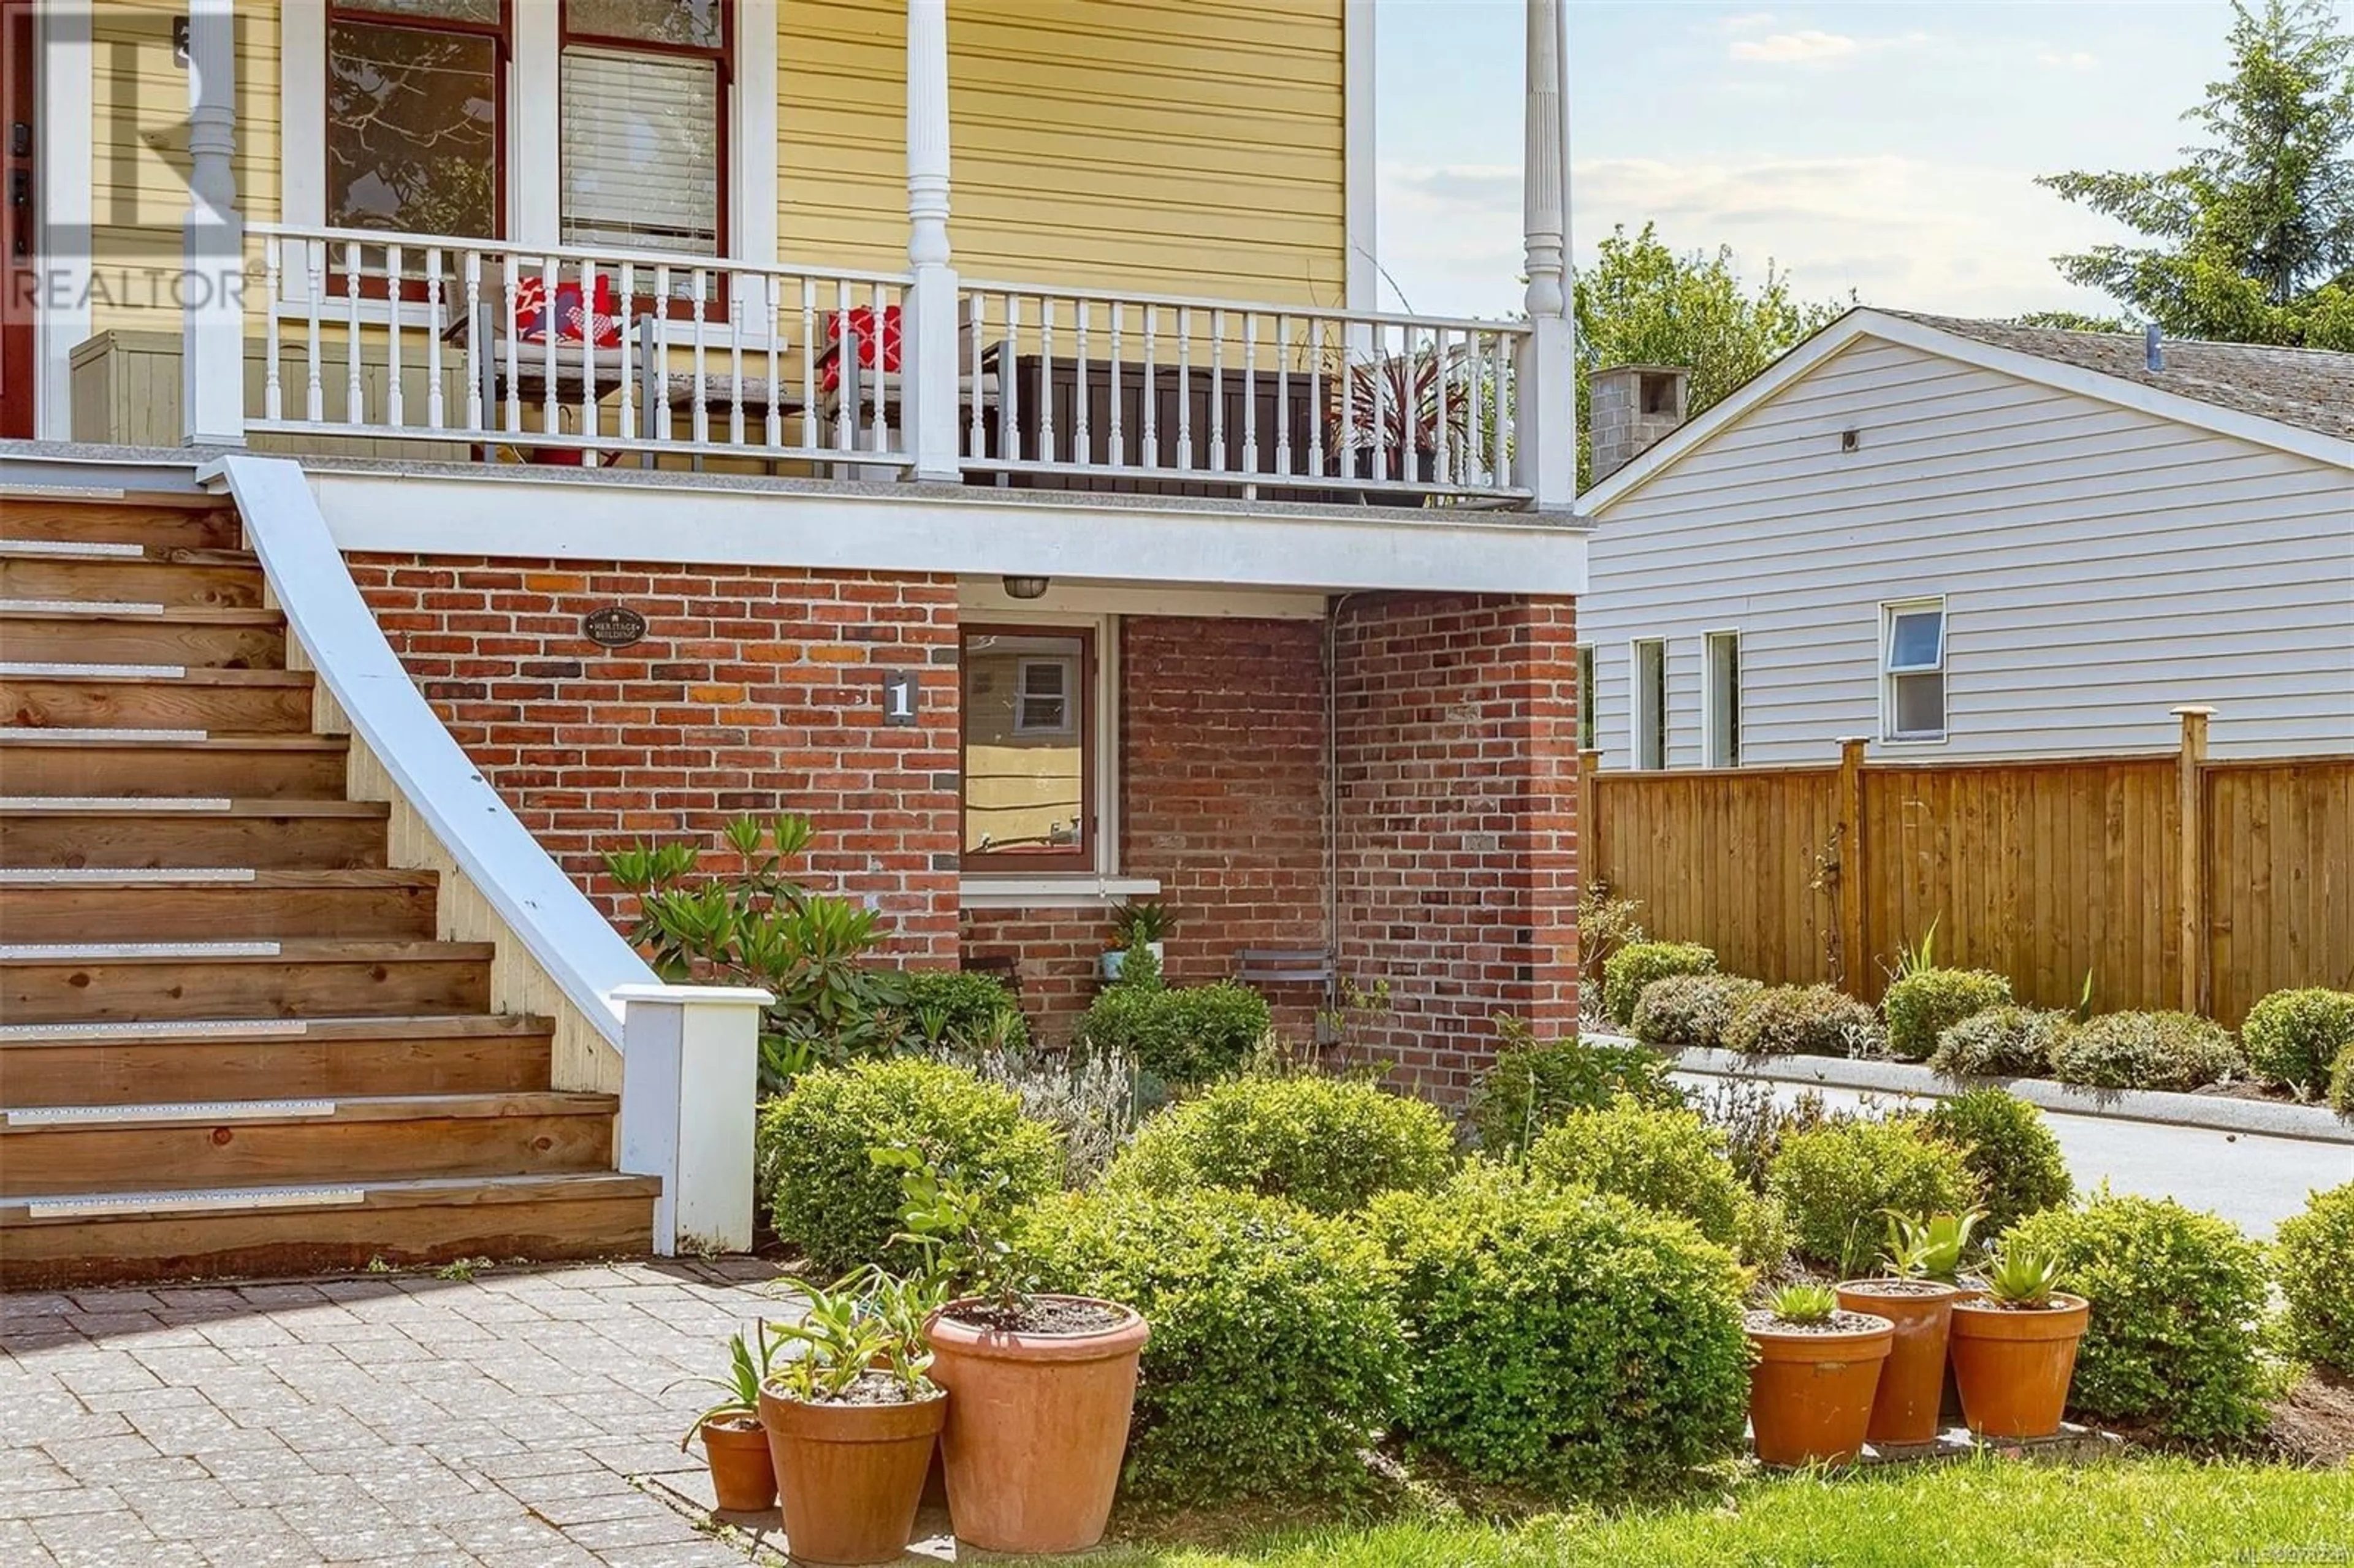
(1630,406)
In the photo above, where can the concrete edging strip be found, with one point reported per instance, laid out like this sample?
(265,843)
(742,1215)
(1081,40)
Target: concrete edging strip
(2267,1119)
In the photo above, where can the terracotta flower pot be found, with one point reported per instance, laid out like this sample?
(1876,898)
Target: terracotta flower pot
(2014,1364)
(1037,1426)
(1810,1391)
(1904,1407)
(850,1475)
(742,1478)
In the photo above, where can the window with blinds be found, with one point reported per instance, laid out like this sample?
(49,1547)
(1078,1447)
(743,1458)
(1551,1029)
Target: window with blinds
(643,150)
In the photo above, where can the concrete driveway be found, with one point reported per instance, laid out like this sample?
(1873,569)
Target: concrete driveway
(2252,1181)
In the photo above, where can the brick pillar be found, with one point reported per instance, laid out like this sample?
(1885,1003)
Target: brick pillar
(1458,783)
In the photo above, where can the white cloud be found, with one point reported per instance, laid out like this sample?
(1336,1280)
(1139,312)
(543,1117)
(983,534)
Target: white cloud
(1784,48)
(1748,22)
(1903,232)
(2066,60)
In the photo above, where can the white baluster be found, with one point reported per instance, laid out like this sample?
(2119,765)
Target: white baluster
(1082,438)
(1283,395)
(1185,387)
(1250,392)
(474,347)
(511,268)
(1217,391)
(660,373)
(772,295)
(1046,448)
(1443,373)
(274,400)
(1379,397)
(355,401)
(848,381)
(1119,437)
(812,437)
(589,422)
(736,372)
(1151,401)
(1331,338)
(975,307)
(626,426)
(392,293)
(315,264)
(880,436)
(436,409)
(1009,376)
(551,283)
(699,290)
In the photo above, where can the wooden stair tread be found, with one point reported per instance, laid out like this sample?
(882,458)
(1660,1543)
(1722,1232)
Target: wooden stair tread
(335,1109)
(167,615)
(26,879)
(290,950)
(143,806)
(127,553)
(187,675)
(212,1031)
(433,1192)
(259,741)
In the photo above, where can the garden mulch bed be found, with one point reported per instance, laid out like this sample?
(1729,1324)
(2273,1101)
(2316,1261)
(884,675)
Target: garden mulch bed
(2314,1424)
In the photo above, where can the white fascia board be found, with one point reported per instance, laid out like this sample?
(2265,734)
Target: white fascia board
(986,598)
(1794,366)
(889,528)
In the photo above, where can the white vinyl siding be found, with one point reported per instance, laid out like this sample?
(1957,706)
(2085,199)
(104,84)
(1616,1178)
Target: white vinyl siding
(2099,566)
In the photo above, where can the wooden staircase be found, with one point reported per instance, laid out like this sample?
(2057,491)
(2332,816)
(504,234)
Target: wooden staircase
(229,1039)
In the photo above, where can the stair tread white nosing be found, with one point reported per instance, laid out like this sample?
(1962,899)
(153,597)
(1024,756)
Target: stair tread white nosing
(49,671)
(158,1029)
(95,735)
(116,803)
(43,875)
(93,952)
(175,1110)
(108,548)
(99,1204)
(79,607)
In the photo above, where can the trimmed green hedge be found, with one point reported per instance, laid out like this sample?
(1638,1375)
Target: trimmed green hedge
(1625,972)
(1689,1010)
(1833,1181)
(1566,1337)
(1327,1144)
(2315,1252)
(1534,1084)
(2293,1037)
(1668,1160)
(1924,1004)
(1182,1035)
(963,1007)
(2001,1041)
(2146,1051)
(1277,1352)
(2176,1297)
(2007,1147)
(829,1201)
(1801,1021)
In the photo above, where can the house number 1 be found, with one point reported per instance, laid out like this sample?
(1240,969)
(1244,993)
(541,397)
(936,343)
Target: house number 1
(898,696)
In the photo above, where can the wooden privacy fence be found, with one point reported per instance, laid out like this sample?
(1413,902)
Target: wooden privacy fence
(2173,879)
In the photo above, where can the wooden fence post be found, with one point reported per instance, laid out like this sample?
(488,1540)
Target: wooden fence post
(1589,820)
(1849,887)
(2191,786)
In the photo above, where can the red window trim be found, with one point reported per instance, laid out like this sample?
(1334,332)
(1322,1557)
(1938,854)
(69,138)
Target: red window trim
(1082,857)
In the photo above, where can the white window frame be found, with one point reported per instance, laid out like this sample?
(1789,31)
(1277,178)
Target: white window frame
(1638,711)
(1885,658)
(1719,750)
(1101,884)
(1065,668)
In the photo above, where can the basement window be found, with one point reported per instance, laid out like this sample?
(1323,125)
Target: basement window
(1913,665)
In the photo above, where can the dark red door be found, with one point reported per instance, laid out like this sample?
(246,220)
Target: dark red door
(19,218)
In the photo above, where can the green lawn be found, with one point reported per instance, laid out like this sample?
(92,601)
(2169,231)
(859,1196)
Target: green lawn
(2138,1513)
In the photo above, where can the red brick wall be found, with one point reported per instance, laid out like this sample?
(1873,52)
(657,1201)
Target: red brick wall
(756,689)
(1458,735)
(1222,755)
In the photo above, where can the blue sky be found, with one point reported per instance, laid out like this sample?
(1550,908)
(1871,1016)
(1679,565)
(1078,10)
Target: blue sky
(1883,148)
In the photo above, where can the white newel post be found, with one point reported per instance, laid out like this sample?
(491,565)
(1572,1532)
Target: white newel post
(929,338)
(690,1081)
(1544,449)
(212,359)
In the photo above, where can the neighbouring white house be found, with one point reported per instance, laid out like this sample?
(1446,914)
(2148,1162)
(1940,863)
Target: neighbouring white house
(1970,539)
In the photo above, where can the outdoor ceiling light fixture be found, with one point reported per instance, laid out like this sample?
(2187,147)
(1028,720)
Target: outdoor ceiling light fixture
(1026,588)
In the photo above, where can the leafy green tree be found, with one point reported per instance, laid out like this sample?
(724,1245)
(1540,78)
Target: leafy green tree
(1641,303)
(2251,238)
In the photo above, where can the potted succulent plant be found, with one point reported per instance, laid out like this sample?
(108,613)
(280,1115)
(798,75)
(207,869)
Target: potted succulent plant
(2014,1346)
(852,1418)
(1811,1384)
(743,1480)
(1137,925)
(1917,1296)
(1040,1386)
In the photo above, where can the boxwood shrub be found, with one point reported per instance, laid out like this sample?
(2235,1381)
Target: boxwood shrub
(1625,972)
(963,1007)
(1183,1036)
(2007,1147)
(1921,1005)
(1534,1084)
(2146,1051)
(2001,1041)
(829,1201)
(2177,1297)
(1833,1181)
(1277,1352)
(1670,1161)
(1327,1144)
(1801,1021)
(1689,1010)
(1566,1337)
(2314,1254)
(2341,1084)
(2293,1037)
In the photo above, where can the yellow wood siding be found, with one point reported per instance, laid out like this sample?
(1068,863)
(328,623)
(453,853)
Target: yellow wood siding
(139,165)
(1174,145)
(1188,146)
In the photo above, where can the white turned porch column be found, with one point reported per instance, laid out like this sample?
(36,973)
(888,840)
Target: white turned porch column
(212,301)
(1544,452)
(690,1089)
(928,342)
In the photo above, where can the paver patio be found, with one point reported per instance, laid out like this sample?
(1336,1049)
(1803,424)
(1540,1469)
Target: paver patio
(394,1420)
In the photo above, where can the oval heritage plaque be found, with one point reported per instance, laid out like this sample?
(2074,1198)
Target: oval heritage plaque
(615,626)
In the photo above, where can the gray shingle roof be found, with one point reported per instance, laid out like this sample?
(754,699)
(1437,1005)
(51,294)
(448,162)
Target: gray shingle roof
(2310,388)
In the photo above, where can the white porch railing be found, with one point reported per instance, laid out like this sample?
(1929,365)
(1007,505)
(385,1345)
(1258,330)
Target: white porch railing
(568,353)
(1097,389)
